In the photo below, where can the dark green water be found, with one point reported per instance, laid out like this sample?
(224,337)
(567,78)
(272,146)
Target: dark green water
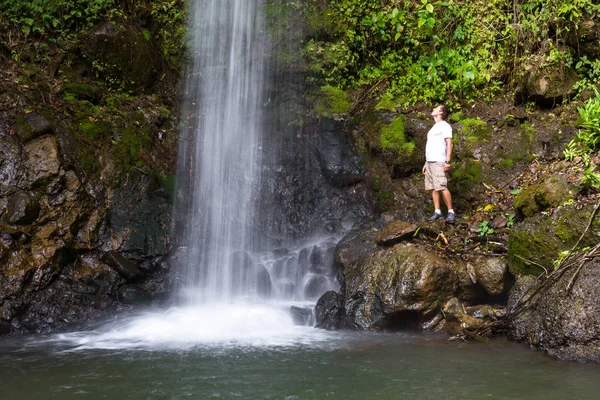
(338,366)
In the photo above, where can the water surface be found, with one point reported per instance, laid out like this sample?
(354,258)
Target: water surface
(317,365)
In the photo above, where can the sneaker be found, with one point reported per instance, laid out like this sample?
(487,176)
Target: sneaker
(450,218)
(434,217)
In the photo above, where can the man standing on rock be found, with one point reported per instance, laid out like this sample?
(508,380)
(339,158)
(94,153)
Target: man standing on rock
(437,162)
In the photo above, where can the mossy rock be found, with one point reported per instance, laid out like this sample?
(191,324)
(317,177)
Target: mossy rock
(472,133)
(540,239)
(465,175)
(399,148)
(122,55)
(29,126)
(332,101)
(548,86)
(93,130)
(81,91)
(550,193)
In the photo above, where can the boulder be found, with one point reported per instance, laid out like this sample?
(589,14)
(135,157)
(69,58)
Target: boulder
(402,286)
(22,209)
(328,311)
(540,239)
(566,324)
(551,192)
(32,125)
(128,270)
(548,86)
(485,280)
(124,53)
(42,162)
(395,232)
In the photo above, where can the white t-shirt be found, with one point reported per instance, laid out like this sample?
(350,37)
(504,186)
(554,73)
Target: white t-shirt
(435,150)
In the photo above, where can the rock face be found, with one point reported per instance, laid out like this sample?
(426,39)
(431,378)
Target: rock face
(55,229)
(565,324)
(314,180)
(402,287)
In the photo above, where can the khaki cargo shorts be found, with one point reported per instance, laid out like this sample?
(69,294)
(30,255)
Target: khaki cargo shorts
(435,176)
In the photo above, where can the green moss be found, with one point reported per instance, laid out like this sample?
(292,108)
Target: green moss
(93,130)
(551,192)
(131,145)
(466,174)
(393,138)
(507,163)
(475,129)
(333,101)
(540,239)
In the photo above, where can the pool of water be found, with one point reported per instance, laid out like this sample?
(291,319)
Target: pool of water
(292,363)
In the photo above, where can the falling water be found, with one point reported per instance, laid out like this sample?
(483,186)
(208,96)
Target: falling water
(224,97)
(237,283)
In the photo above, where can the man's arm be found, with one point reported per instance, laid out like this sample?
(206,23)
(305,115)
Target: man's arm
(449,147)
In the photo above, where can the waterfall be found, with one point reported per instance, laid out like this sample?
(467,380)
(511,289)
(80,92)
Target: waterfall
(219,163)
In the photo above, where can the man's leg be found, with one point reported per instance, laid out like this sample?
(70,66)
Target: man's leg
(435,196)
(447,199)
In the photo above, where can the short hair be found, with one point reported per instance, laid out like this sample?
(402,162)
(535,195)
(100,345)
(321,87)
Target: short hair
(444,111)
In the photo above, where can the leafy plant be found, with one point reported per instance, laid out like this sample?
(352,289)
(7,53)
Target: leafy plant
(591,179)
(485,229)
(587,139)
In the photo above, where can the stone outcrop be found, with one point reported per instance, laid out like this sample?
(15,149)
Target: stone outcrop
(54,230)
(404,286)
(564,323)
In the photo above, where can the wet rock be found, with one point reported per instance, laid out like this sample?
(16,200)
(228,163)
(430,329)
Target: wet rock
(338,162)
(11,168)
(383,286)
(457,319)
(488,279)
(302,315)
(134,295)
(321,259)
(42,162)
(395,232)
(139,218)
(22,209)
(566,324)
(30,126)
(247,275)
(122,265)
(315,285)
(93,272)
(4,327)
(328,311)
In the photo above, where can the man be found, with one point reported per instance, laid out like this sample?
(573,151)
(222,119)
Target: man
(437,162)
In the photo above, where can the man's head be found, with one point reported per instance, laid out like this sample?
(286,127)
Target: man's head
(440,113)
